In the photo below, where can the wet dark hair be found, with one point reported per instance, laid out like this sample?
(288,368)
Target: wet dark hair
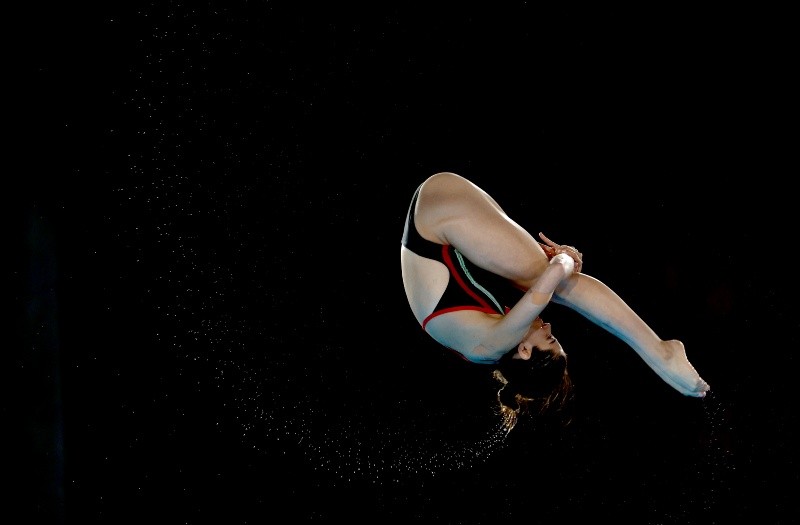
(537,385)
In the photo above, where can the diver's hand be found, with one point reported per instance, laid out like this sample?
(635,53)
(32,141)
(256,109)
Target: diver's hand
(551,249)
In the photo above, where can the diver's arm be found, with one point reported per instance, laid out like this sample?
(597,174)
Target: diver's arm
(485,338)
(515,324)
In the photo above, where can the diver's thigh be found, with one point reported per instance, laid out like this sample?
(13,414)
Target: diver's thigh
(457,212)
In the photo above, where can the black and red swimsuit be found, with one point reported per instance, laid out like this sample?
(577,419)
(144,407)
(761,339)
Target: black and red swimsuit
(469,287)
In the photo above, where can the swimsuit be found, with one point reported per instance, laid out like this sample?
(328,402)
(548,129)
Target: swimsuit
(469,287)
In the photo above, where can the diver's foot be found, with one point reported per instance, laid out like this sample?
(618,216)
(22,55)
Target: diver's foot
(672,365)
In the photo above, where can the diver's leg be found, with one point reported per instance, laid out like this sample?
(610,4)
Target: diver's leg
(453,210)
(597,302)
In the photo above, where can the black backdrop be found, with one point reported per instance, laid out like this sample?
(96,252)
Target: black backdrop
(213,327)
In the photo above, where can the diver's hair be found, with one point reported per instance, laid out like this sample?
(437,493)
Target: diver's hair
(537,385)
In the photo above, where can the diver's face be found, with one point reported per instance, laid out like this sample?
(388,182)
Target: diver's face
(538,338)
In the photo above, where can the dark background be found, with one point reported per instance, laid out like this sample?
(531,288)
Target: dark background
(212,326)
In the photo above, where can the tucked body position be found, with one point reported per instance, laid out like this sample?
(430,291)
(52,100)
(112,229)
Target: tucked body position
(477,283)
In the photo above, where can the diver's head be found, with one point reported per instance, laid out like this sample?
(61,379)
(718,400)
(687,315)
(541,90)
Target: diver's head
(534,375)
